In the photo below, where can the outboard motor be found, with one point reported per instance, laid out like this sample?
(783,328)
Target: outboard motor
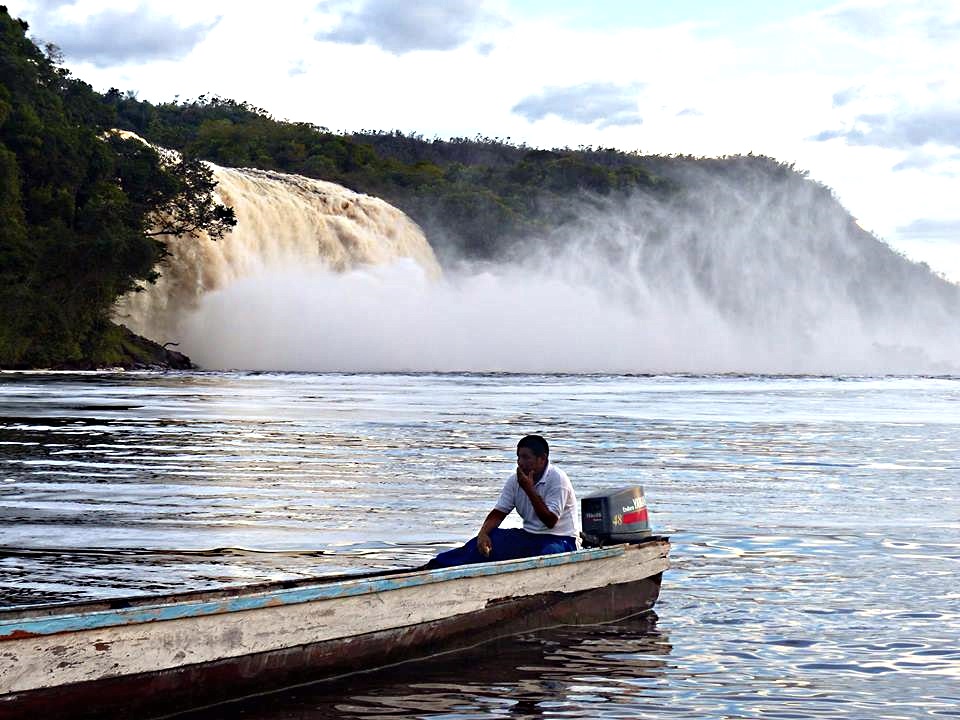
(615,517)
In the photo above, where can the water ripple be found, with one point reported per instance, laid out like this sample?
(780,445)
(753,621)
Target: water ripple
(814,525)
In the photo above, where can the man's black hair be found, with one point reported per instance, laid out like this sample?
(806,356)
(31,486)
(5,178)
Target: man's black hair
(535,444)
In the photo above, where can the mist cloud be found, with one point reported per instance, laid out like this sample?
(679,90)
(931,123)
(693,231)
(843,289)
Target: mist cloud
(736,277)
(605,104)
(402,26)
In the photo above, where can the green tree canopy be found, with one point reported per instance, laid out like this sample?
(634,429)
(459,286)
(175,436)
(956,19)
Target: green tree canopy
(85,213)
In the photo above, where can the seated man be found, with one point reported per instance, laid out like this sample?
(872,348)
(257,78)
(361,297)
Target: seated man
(542,495)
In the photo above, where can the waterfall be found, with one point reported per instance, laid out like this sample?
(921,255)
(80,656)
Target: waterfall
(283,222)
(741,273)
(749,269)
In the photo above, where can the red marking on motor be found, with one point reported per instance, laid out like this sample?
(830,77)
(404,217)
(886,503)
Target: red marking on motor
(636,516)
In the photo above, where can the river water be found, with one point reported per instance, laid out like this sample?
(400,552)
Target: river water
(815,525)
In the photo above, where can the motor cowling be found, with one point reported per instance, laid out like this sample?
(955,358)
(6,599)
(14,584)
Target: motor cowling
(611,517)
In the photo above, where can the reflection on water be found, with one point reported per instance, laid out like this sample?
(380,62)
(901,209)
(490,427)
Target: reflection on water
(814,521)
(602,670)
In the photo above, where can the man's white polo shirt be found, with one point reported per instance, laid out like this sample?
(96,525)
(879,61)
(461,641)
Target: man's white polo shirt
(557,493)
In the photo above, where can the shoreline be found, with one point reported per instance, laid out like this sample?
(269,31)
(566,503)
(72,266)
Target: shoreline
(129,351)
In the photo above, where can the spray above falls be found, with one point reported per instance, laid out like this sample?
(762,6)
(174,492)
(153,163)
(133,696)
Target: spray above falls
(284,223)
(747,267)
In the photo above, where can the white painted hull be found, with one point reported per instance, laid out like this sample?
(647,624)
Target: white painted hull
(164,641)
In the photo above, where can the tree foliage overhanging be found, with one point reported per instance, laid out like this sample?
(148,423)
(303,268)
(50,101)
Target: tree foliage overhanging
(84,214)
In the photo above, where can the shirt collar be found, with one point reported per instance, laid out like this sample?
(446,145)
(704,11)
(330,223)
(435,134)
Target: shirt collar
(544,476)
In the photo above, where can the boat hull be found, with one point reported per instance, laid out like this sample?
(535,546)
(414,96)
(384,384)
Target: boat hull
(198,659)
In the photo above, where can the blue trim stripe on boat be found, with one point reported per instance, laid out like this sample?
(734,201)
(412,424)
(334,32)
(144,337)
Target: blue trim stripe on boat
(50,625)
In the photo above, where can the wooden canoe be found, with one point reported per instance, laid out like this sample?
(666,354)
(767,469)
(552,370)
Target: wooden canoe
(143,657)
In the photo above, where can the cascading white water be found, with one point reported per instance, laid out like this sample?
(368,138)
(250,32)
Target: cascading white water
(749,270)
(283,222)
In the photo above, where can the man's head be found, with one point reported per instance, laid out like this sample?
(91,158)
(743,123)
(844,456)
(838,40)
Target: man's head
(533,454)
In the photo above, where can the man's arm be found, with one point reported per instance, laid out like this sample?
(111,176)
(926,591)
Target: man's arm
(494,518)
(547,517)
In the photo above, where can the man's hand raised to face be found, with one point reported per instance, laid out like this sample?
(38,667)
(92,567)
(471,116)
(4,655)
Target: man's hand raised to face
(525,480)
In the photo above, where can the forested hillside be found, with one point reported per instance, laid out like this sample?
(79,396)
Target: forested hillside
(85,214)
(473,197)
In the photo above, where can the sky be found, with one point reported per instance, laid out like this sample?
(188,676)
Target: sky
(865,95)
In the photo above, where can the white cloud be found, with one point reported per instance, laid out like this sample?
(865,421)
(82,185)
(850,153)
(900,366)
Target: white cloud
(843,97)
(928,229)
(110,36)
(603,103)
(931,161)
(402,26)
(932,20)
(903,130)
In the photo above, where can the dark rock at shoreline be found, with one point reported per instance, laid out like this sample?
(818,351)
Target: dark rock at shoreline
(132,352)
